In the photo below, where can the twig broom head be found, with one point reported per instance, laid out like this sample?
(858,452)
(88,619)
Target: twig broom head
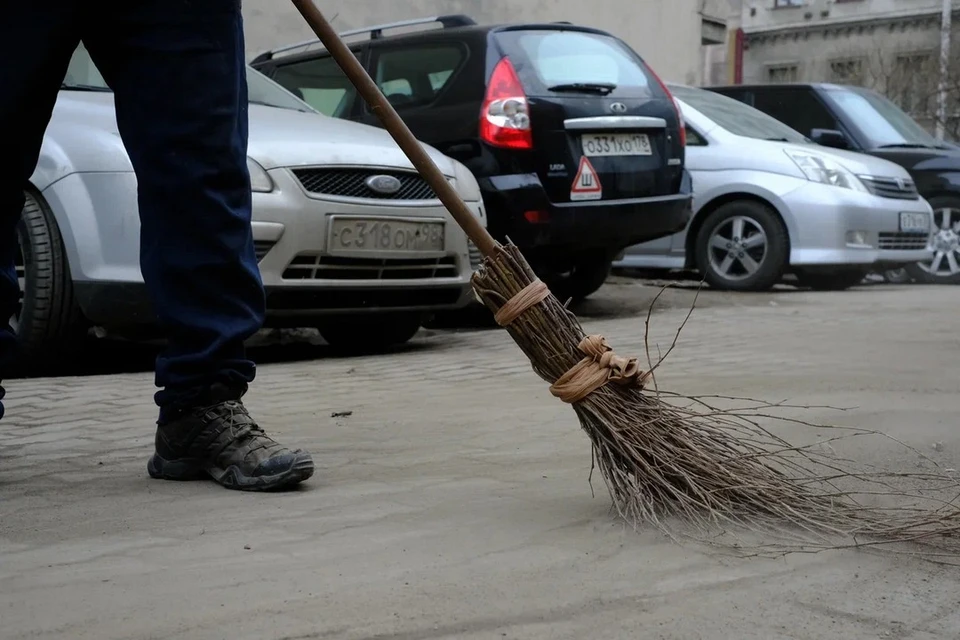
(658,460)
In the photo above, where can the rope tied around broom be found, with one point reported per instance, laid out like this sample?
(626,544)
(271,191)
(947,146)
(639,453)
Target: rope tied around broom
(534,293)
(600,364)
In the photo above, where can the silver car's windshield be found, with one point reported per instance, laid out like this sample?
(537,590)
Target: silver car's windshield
(736,117)
(83,75)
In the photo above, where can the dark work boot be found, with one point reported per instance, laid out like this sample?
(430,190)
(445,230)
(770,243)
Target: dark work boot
(222,441)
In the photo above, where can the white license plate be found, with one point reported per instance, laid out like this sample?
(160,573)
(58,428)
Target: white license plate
(352,235)
(914,222)
(597,145)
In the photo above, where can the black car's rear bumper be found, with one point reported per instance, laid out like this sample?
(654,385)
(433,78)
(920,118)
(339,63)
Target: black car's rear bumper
(576,227)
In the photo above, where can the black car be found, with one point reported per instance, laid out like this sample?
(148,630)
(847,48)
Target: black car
(858,119)
(576,143)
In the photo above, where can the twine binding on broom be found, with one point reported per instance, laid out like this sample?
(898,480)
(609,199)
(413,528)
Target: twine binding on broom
(600,364)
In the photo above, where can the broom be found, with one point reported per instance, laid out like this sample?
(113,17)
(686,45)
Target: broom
(660,460)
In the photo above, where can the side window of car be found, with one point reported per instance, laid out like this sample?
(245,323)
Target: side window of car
(798,109)
(694,139)
(320,83)
(415,76)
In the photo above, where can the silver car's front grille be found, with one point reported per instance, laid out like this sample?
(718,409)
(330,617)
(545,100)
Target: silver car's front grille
(891,188)
(902,241)
(315,267)
(475,256)
(351,183)
(262,248)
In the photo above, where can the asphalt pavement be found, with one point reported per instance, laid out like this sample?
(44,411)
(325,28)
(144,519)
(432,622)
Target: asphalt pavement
(452,497)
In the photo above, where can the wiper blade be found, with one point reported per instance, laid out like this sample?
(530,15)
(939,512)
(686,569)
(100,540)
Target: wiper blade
(276,106)
(777,139)
(83,87)
(905,145)
(602,88)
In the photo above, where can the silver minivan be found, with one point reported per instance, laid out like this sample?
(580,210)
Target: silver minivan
(768,202)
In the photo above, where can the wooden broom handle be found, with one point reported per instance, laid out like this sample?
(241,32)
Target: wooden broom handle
(396,127)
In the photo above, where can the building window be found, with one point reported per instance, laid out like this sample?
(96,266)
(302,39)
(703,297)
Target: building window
(912,84)
(847,71)
(783,73)
(782,4)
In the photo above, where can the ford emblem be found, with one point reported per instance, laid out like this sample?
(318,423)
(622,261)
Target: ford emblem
(618,107)
(383,184)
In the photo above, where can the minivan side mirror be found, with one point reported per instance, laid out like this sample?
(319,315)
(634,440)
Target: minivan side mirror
(830,138)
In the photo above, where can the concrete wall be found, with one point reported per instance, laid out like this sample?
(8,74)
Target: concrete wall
(665,32)
(812,52)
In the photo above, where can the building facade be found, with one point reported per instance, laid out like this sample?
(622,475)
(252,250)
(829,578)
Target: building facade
(892,46)
(683,40)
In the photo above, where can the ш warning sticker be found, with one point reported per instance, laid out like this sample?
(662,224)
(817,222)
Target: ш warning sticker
(586,184)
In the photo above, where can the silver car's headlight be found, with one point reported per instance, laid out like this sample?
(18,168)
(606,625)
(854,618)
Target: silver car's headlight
(825,170)
(467,183)
(260,181)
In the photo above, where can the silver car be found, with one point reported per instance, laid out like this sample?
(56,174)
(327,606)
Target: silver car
(767,202)
(350,238)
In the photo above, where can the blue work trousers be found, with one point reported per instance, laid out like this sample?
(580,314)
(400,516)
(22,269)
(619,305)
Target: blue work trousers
(177,71)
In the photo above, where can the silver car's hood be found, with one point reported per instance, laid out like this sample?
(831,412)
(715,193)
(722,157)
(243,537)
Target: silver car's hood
(286,138)
(83,136)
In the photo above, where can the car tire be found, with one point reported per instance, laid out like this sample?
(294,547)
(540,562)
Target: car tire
(838,280)
(947,242)
(363,334)
(583,278)
(50,323)
(768,247)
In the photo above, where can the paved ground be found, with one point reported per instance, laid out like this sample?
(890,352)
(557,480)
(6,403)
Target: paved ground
(453,502)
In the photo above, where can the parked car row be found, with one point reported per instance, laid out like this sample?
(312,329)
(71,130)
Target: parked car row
(768,201)
(577,144)
(561,138)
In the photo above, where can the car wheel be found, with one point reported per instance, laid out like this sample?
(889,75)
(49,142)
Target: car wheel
(362,334)
(742,246)
(944,267)
(837,280)
(580,280)
(49,322)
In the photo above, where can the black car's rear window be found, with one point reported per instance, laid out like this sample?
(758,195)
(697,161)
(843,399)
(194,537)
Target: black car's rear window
(545,58)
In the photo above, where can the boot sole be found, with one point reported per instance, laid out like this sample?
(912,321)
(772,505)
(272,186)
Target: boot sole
(231,477)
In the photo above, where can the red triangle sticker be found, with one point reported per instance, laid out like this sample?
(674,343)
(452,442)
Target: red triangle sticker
(586,184)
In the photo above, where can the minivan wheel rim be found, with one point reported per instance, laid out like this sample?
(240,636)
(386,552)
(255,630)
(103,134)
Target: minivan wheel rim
(737,248)
(946,244)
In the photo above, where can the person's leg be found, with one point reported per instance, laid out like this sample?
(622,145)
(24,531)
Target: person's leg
(36,41)
(179,79)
